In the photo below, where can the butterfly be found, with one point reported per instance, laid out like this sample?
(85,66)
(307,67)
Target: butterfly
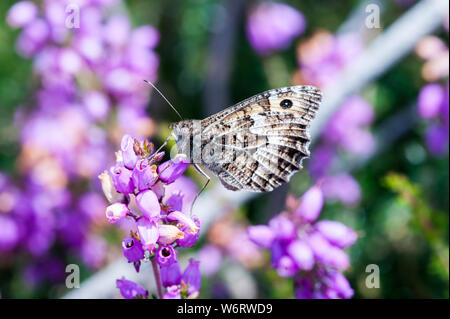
(255,145)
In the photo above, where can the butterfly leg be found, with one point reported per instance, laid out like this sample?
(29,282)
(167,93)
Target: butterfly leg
(204,186)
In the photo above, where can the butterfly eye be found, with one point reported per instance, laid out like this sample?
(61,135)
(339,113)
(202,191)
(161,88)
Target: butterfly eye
(286,104)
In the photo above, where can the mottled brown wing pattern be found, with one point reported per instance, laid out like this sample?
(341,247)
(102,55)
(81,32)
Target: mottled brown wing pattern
(263,138)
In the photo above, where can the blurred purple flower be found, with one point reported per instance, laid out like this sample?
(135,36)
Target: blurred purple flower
(345,127)
(431,98)
(131,290)
(192,277)
(272,26)
(311,204)
(433,104)
(210,258)
(172,292)
(9,234)
(307,251)
(342,187)
(21,14)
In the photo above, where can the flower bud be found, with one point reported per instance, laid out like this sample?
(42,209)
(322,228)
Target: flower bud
(148,203)
(168,234)
(169,171)
(121,178)
(336,233)
(189,238)
(144,175)
(130,290)
(148,233)
(261,235)
(302,254)
(310,205)
(128,155)
(184,220)
(108,188)
(116,212)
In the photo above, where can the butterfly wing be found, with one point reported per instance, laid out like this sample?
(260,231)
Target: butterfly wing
(262,140)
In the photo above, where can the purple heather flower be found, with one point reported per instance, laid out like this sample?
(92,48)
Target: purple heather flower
(117,31)
(171,274)
(21,14)
(304,250)
(303,288)
(148,233)
(185,187)
(301,254)
(128,155)
(144,175)
(192,277)
(130,290)
(210,258)
(342,187)
(272,26)
(132,249)
(430,100)
(165,255)
(108,188)
(122,180)
(175,201)
(172,292)
(9,234)
(169,233)
(261,235)
(286,266)
(311,204)
(338,285)
(32,38)
(116,212)
(169,171)
(436,138)
(283,228)
(96,104)
(93,251)
(326,253)
(189,238)
(146,37)
(336,233)
(346,126)
(183,220)
(148,204)
(159,190)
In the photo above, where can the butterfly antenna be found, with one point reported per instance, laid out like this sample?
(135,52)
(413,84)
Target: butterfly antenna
(150,83)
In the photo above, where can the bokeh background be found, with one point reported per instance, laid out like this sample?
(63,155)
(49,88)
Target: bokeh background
(381,150)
